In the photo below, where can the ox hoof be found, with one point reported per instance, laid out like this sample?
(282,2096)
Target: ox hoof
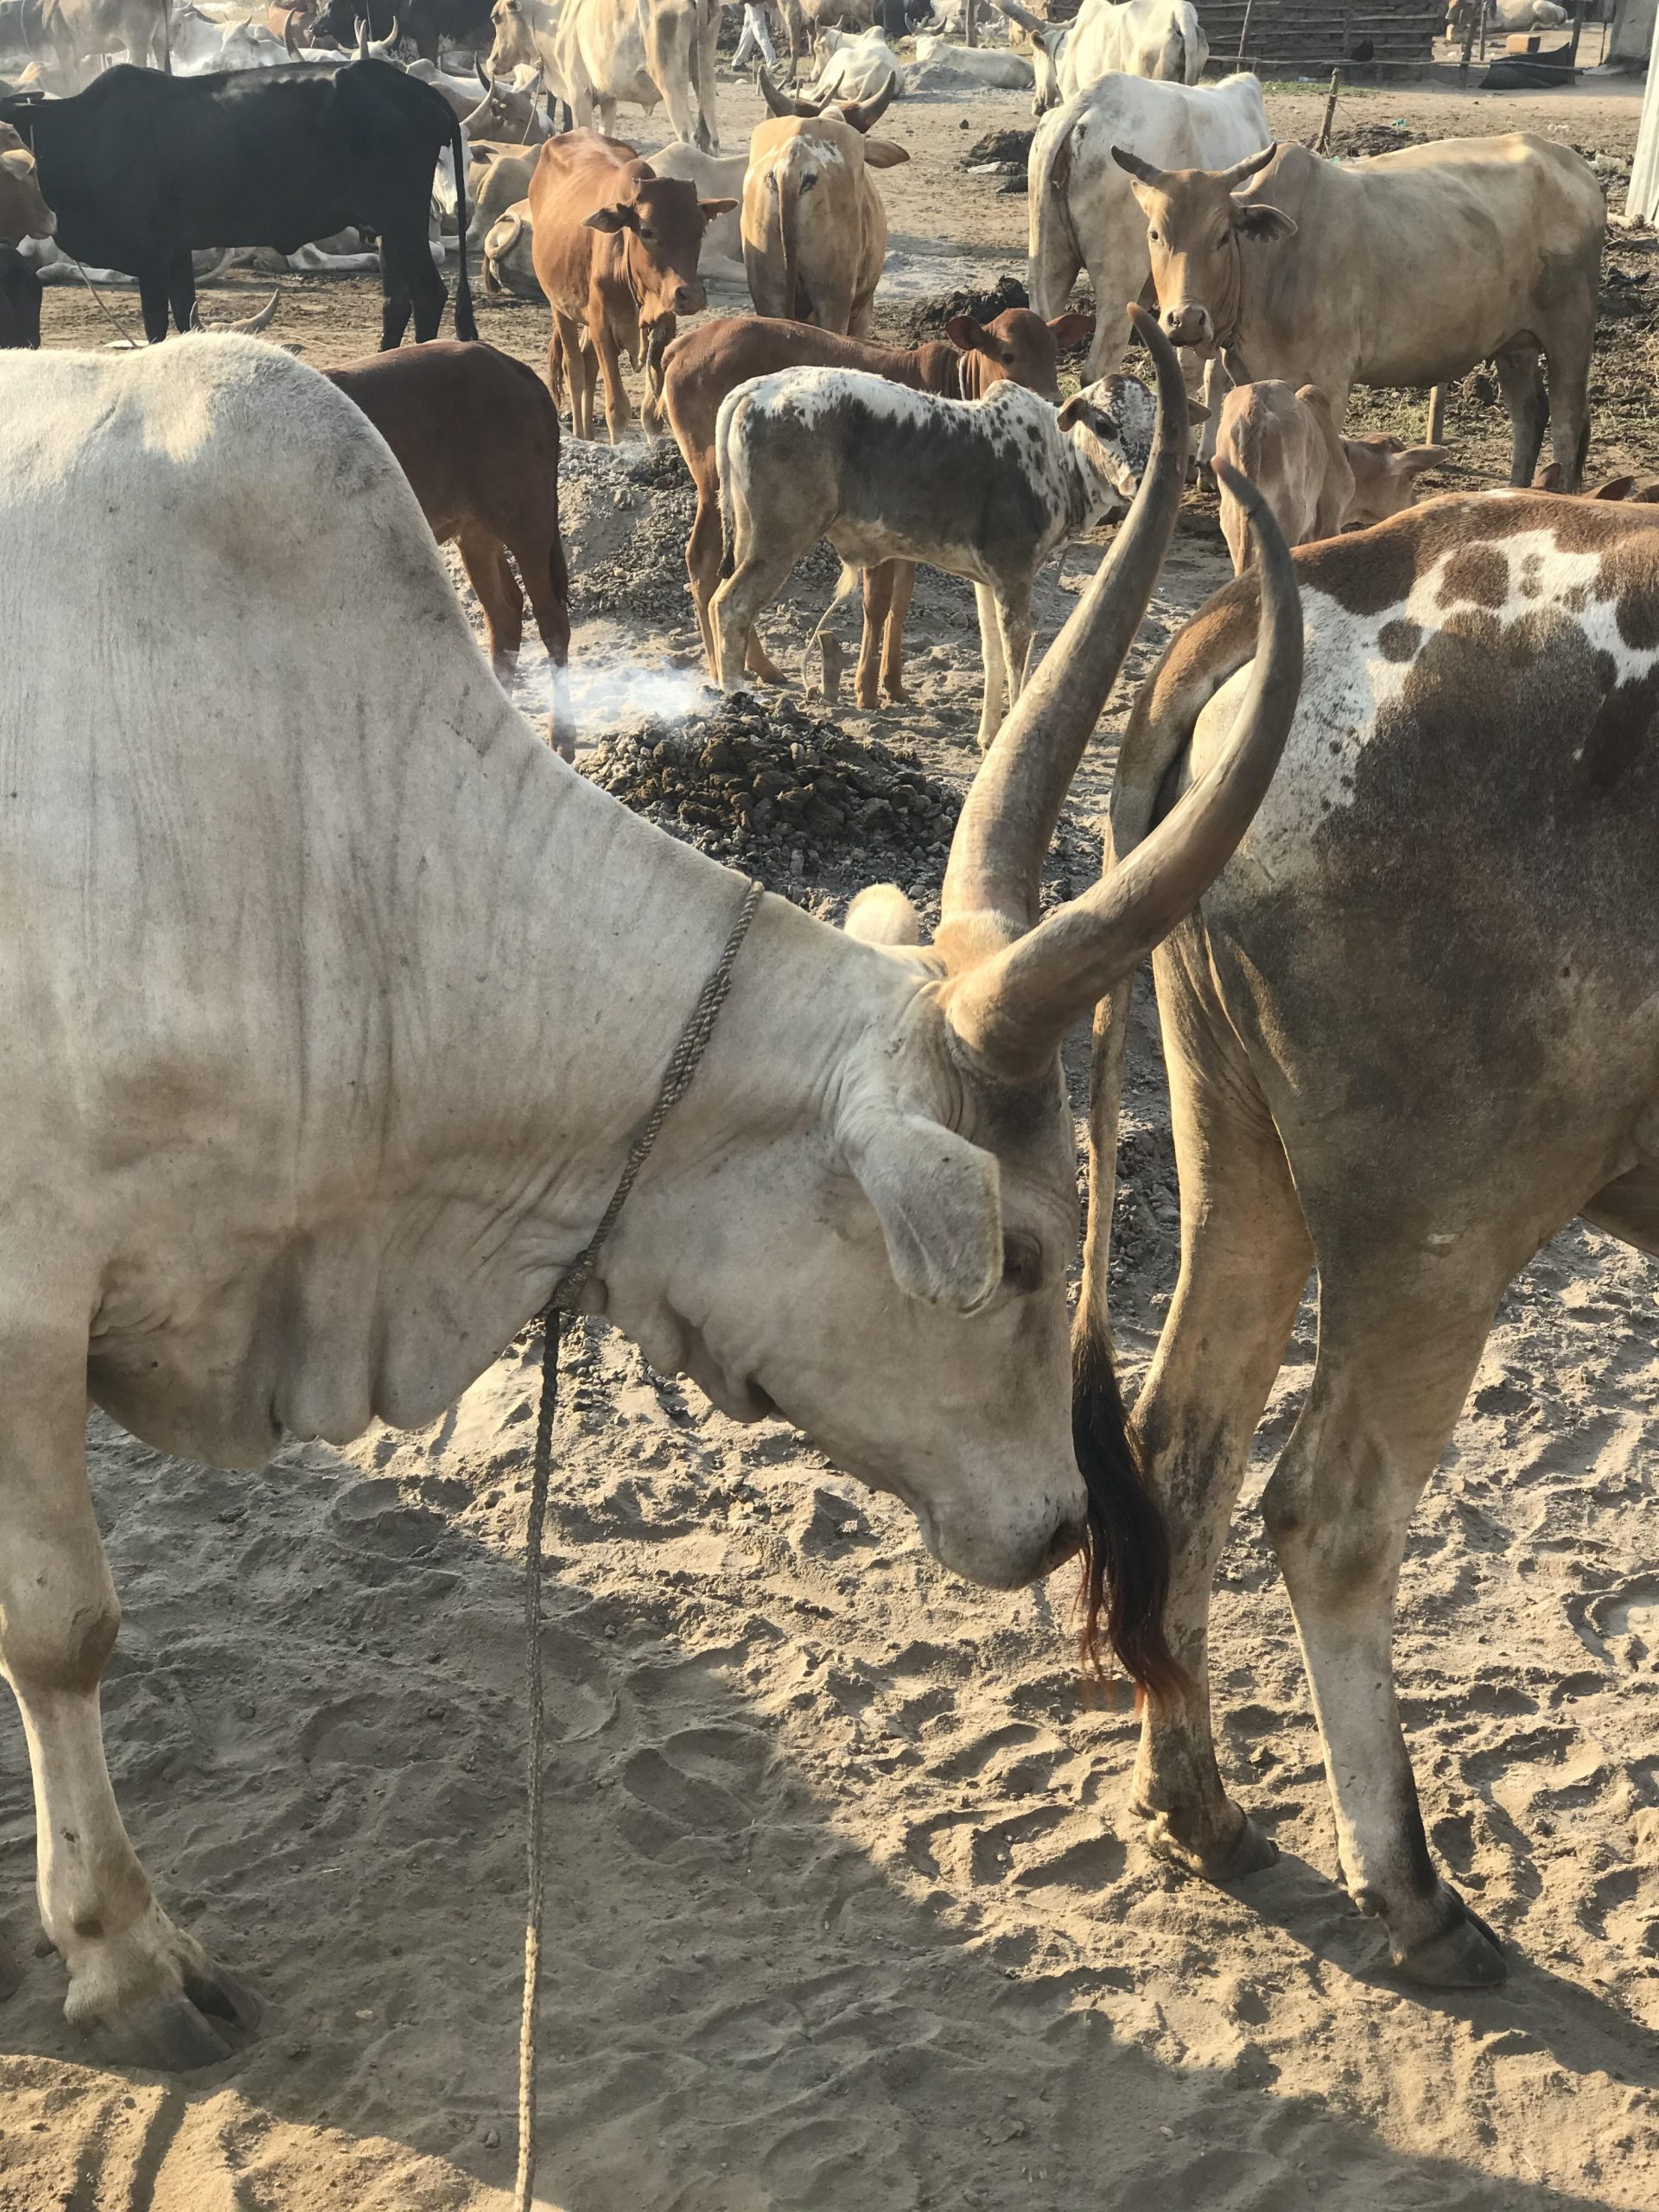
(205,2024)
(1249,1851)
(1467,1955)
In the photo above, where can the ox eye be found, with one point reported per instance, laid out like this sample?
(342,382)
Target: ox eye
(1153,236)
(647,237)
(1022,1264)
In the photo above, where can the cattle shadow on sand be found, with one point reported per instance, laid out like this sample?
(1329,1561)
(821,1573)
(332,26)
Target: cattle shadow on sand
(845,1908)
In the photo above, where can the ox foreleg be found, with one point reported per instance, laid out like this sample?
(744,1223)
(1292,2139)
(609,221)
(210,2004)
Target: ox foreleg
(619,409)
(1567,361)
(142,1987)
(1394,1364)
(1245,1257)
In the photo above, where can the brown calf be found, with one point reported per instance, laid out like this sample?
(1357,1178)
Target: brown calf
(616,252)
(23,213)
(702,366)
(478,437)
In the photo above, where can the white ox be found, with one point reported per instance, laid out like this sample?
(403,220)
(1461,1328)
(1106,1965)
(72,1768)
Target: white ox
(1160,39)
(943,67)
(1081,208)
(327,1083)
(594,53)
(716,176)
(510,255)
(858,66)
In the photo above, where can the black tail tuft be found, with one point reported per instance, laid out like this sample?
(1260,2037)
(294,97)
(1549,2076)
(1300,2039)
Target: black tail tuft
(1126,1554)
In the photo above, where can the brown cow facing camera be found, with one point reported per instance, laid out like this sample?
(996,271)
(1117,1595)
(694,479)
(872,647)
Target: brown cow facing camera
(616,251)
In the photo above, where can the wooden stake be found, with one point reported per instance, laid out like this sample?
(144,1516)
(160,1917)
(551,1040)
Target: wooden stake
(1434,432)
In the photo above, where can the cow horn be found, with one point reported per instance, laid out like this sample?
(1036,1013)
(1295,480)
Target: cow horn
(1240,172)
(482,74)
(362,40)
(1009,1013)
(1134,166)
(862,113)
(779,104)
(990,893)
(383,46)
(291,34)
(246,327)
(1027,21)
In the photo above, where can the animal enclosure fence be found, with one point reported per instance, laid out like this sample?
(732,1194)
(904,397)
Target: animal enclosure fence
(1278,38)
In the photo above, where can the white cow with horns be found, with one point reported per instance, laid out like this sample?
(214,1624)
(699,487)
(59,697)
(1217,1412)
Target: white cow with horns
(331,1071)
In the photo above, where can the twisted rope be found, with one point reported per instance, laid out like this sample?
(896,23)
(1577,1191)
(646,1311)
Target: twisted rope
(676,1080)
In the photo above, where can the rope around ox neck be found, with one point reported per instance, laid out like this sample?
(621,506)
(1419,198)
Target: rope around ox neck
(676,1080)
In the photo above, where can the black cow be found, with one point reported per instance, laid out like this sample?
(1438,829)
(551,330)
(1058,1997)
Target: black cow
(430,24)
(20,301)
(141,169)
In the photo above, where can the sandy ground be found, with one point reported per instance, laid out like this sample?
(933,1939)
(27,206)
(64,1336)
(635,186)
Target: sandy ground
(848,1915)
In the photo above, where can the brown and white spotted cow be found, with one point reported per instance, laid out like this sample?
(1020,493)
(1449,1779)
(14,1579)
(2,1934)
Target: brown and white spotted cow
(1412,1030)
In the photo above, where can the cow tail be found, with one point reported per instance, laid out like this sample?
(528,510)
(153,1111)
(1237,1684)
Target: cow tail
(725,423)
(466,322)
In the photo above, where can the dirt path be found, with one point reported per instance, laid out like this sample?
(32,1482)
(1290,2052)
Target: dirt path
(849,1915)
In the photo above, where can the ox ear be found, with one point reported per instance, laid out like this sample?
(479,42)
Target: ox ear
(1081,409)
(1070,330)
(882,154)
(883,915)
(1197,413)
(937,1199)
(712,207)
(963,331)
(622,217)
(1416,459)
(1252,220)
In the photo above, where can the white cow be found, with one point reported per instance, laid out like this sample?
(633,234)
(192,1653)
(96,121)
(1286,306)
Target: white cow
(510,255)
(858,66)
(716,176)
(1083,212)
(942,67)
(1161,38)
(324,1090)
(594,53)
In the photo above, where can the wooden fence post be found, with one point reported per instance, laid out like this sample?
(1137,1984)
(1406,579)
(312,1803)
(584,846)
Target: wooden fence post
(969,23)
(1434,430)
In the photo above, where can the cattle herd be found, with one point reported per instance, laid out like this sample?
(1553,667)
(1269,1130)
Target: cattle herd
(336,996)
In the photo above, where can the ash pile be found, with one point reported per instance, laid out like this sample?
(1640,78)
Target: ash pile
(791,798)
(626,512)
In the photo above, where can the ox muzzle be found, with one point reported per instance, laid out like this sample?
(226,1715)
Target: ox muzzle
(1188,325)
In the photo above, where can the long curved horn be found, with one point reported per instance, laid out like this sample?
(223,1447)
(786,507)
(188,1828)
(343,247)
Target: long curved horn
(382,48)
(862,113)
(1026,22)
(780,103)
(362,40)
(482,74)
(291,34)
(1010,1013)
(990,894)
(247,326)
(477,119)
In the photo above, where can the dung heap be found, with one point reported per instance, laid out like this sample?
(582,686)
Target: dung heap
(793,800)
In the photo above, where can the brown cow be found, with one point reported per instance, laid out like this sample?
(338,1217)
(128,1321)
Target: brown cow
(23,211)
(815,225)
(478,437)
(616,252)
(702,368)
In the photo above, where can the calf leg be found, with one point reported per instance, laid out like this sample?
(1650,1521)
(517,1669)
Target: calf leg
(423,282)
(990,654)
(489,573)
(703,555)
(758,575)
(619,410)
(878,586)
(1395,1361)
(540,557)
(892,635)
(1521,375)
(564,367)
(1014,625)
(143,1986)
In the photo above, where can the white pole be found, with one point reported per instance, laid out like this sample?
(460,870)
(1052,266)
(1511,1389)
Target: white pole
(1643,199)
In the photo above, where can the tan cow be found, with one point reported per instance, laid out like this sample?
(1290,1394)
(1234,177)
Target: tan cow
(23,211)
(595,53)
(497,176)
(616,252)
(815,229)
(510,256)
(1316,481)
(1410,269)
